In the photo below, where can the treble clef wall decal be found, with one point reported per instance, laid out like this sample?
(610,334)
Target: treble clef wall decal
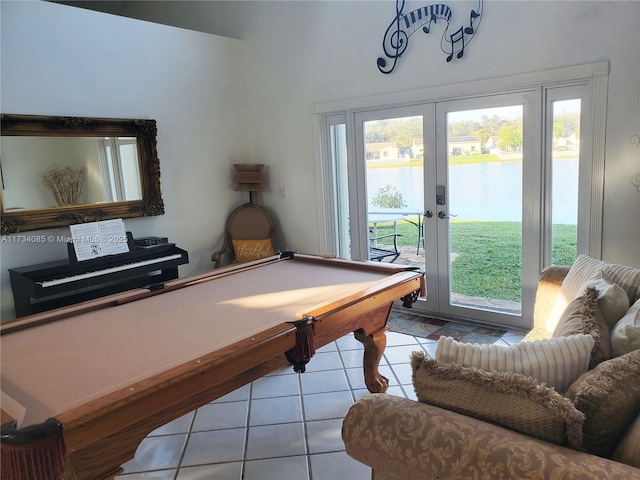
(396,38)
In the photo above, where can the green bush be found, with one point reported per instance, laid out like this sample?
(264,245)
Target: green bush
(388,197)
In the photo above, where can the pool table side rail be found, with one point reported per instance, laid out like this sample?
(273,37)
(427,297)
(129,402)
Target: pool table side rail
(360,264)
(392,287)
(368,316)
(61,313)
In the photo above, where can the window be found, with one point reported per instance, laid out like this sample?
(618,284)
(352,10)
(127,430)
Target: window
(121,173)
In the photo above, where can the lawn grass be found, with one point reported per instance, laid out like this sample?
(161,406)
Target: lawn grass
(488,259)
(488,262)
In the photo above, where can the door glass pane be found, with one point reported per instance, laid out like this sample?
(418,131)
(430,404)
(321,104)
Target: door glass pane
(484,165)
(394,157)
(565,153)
(338,145)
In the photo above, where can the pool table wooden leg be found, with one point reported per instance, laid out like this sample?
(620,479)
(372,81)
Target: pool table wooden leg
(374,345)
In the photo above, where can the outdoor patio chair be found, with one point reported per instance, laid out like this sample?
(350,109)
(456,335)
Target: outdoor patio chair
(420,226)
(378,252)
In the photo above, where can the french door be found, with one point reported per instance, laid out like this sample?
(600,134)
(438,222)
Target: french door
(426,168)
(478,217)
(479,192)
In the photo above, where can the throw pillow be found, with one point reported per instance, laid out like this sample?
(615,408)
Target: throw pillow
(582,270)
(612,300)
(628,450)
(511,400)
(627,277)
(248,250)
(609,397)
(556,362)
(583,316)
(625,336)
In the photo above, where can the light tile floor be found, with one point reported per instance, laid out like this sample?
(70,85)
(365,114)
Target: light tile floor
(282,426)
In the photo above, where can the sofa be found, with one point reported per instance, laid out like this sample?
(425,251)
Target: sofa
(577,416)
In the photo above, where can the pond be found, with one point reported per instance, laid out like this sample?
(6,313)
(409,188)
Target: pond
(481,191)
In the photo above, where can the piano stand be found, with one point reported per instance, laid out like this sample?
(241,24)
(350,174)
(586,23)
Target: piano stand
(42,287)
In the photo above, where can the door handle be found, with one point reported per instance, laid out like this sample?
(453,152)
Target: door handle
(428,214)
(443,215)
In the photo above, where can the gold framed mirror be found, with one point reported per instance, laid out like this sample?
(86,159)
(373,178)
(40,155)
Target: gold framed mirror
(59,171)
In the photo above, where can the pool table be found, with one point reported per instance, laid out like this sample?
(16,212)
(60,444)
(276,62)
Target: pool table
(82,386)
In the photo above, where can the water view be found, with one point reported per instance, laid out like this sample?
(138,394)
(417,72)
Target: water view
(471,196)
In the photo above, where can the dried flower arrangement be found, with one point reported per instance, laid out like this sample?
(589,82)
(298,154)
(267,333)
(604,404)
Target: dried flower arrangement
(65,183)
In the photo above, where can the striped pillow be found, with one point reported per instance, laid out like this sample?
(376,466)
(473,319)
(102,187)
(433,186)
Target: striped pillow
(556,362)
(628,278)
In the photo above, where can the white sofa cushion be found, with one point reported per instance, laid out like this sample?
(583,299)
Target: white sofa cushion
(556,362)
(625,336)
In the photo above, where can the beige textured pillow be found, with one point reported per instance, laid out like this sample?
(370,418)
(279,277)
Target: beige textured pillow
(628,450)
(556,362)
(609,397)
(625,336)
(511,400)
(583,316)
(612,299)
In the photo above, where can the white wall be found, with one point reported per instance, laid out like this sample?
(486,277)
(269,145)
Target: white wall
(303,53)
(59,60)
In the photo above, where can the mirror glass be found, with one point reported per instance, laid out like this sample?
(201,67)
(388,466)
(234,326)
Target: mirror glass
(51,172)
(58,171)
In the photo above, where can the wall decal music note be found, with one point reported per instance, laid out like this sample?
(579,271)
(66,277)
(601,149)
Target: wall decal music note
(396,37)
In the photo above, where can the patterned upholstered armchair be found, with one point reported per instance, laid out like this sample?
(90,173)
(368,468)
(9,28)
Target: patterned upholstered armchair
(479,424)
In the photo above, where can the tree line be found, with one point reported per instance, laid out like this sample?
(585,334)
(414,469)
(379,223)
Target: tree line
(403,131)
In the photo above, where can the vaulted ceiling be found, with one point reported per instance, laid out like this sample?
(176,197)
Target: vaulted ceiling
(114,7)
(210,16)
